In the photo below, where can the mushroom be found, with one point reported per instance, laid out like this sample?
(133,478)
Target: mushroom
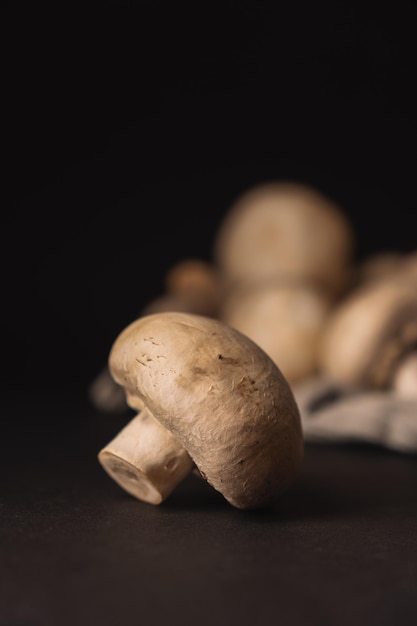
(209,399)
(379,266)
(367,386)
(197,282)
(404,379)
(286,320)
(370,332)
(386,265)
(191,285)
(285,230)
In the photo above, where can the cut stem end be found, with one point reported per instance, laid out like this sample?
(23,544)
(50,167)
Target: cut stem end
(145,459)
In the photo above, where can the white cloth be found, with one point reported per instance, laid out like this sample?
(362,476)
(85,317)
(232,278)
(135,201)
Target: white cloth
(330,414)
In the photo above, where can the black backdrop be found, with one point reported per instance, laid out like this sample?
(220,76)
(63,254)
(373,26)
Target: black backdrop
(130,127)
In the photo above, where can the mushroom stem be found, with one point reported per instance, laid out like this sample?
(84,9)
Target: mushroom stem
(145,459)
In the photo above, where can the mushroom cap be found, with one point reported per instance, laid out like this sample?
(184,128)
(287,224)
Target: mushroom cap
(404,380)
(192,285)
(168,302)
(388,265)
(285,229)
(369,333)
(285,320)
(409,268)
(220,395)
(379,266)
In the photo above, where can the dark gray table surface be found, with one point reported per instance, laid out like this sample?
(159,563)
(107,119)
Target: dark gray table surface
(76,550)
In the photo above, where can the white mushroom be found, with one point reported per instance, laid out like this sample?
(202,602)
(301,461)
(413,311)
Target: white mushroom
(210,398)
(367,389)
(285,230)
(404,379)
(286,320)
(369,333)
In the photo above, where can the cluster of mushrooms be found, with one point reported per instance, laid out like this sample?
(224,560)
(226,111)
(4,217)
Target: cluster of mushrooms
(284,315)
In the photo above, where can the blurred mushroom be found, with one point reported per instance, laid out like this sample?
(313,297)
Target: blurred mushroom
(379,266)
(386,265)
(208,397)
(198,282)
(285,230)
(404,379)
(369,333)
(191,285)
(366,389)
(408,269)
(285,320)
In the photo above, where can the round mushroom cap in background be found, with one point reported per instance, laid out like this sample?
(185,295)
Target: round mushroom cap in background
(191,285)
(195,281)
(222,398)
(285,230)
(169,302)
(285,320)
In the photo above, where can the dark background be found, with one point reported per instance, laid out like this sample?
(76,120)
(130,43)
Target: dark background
(130,127)
(128,130)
